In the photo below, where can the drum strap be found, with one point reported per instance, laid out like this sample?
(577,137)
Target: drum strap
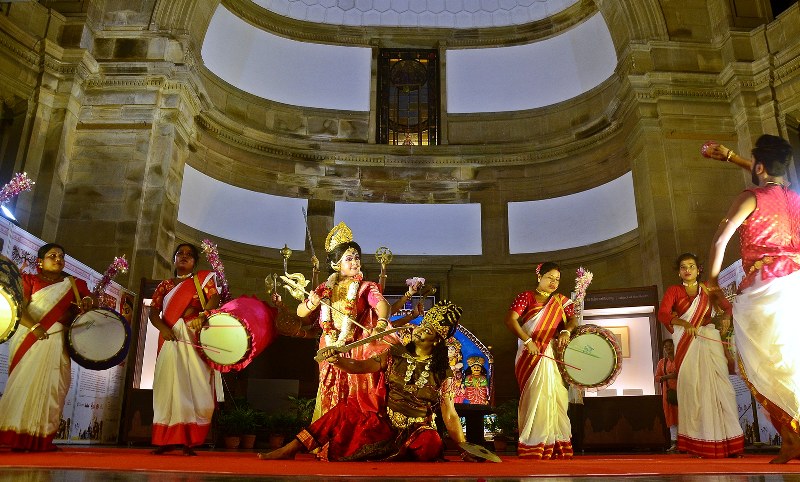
(75,290)
(200,293)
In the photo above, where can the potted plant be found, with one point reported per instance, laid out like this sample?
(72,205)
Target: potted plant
(236,422)
(281,426)
(504,425)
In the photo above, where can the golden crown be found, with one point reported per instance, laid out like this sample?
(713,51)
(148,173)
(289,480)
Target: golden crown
(475,360)
(442,318)
(338,235)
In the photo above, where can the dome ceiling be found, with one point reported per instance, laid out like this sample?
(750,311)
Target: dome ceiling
(459,14)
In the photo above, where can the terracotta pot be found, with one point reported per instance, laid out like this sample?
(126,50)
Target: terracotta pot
(232,441)
(248,441)
(276,441)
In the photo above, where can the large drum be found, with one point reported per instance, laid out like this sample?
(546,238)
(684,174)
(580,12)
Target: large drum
(594,353)
(237,332)
(10,298)
(99,339)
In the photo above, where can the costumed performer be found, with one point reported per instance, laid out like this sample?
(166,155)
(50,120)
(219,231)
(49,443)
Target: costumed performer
(342,303)
(767,218)
(184,386)
(538,319)
(708,420)
(404,429)
(39,366)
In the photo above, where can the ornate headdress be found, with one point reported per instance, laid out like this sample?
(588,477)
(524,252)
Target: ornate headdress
(475,360)
(338,235)
(442,318)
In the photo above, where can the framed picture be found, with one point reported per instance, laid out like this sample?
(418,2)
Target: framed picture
(623,338)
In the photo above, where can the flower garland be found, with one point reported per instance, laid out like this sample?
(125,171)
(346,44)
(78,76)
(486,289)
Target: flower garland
(119,265)
(582,281)
(19,183)
(212,255)
(338,335)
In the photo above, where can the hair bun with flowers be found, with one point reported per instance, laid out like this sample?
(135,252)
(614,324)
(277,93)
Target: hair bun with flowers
(539,269)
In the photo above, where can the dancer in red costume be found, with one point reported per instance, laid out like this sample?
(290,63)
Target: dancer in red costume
(39,368)
(708,420)
(538,319)
(352,299)
(767,218)
(183,384)
(404,429)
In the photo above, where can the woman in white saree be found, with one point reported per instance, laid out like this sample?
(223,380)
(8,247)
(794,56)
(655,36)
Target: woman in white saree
(39,367)
(538,319)
(184,385)
(708,418)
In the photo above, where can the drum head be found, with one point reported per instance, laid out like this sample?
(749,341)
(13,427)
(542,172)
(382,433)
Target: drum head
(98,339)
(10,298)
(9,316)
(225,340)
(594,353)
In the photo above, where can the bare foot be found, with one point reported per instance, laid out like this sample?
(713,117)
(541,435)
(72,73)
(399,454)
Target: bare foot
(790,447)
(287,452)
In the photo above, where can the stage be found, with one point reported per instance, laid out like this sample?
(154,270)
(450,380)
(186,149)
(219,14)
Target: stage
(73,463)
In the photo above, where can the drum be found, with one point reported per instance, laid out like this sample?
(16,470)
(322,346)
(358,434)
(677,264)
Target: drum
(99,339)
(10,298)
(594,353)
(237,332)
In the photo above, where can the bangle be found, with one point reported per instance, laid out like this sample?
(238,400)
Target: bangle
(565,331)
(385,320)
(728,157)
(409,294)
(34,327)
(527,341)
(310,308)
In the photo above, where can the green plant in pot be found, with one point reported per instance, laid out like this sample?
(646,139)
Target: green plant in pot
(504,425)
(236,422)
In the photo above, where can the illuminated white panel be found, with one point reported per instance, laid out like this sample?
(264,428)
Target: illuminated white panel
(240,215)
(286,71)
(414,229)
(576,220)
(533,75)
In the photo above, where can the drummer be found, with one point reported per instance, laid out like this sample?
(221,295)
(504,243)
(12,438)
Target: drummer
(538,318)
(39,367)
(183,384)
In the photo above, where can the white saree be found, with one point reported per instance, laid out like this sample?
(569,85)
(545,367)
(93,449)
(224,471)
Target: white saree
(37,387)
(708,418)
(544,427)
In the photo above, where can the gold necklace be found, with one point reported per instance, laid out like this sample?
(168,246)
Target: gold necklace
(543,293)
(183,276)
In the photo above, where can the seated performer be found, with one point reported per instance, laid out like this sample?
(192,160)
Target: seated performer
(39,367)
(404,429)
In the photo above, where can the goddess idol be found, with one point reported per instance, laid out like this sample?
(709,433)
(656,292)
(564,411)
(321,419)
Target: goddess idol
(347,309)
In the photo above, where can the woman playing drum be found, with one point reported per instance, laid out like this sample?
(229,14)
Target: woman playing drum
(708,418)
(183,384)
(354,302)
(39,367)
(538,318)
